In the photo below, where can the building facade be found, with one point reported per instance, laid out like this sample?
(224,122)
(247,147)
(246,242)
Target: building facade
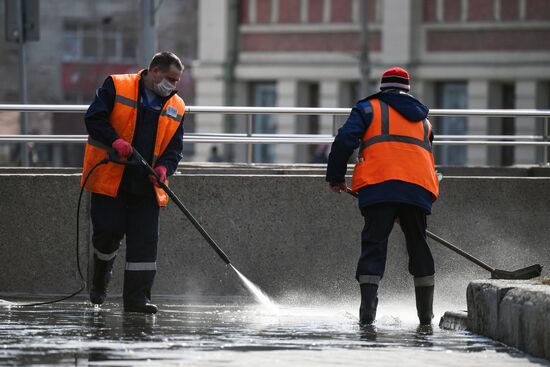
(81,43)
(460,54)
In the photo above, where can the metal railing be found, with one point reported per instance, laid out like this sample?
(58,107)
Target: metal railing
(250,138)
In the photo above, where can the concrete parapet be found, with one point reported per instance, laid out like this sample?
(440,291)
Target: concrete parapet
(286,232)
(516,313)
(37,233)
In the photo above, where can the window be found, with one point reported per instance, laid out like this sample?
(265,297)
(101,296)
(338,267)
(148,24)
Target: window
(129,47)
(98,42)
(508,123)
(70,42)
(110,43)
(503,95)
(90,39)
(308,96)
(452,95)
(352,93)
(264,95)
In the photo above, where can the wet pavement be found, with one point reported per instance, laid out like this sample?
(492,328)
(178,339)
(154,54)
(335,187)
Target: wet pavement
(215,334)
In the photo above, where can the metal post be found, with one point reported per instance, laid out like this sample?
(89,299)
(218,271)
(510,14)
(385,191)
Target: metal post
(229,80)
(545,139)
(334,125)
(249,146)
(148,46)
(364,60)
(22,81)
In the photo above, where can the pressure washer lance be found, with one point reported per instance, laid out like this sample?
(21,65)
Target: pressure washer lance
(137,159)
(528,272)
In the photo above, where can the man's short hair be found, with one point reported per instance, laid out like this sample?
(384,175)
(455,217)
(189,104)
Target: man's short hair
(164,60)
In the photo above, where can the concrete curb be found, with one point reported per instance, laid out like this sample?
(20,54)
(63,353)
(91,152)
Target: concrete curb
(515,312)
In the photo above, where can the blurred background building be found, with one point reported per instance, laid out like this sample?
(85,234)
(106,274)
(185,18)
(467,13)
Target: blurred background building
(460,53)
(81,43)
(306,53)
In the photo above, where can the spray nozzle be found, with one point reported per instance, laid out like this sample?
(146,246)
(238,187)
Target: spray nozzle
(131,161)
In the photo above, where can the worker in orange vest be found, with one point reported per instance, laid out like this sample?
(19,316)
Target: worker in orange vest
(395,180)
(139,111)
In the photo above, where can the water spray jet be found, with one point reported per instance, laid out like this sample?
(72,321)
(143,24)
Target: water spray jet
(258,294)
(137,160)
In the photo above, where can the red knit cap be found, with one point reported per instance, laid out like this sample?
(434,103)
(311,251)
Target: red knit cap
(395,78)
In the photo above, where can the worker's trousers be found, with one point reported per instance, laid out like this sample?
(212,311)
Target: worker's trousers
(112,218)
(379,221)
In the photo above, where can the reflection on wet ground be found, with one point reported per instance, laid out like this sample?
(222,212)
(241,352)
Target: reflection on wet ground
(74,333)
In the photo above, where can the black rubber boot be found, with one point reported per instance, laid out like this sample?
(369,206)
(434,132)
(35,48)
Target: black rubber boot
(424,304)
(146,308)
(137,291)
(103,270)
(369,302)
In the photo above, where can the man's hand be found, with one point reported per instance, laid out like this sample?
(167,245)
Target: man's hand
(338,187)
(161,172)
(122,147)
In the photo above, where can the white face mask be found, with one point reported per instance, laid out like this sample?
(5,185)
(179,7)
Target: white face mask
(164,88)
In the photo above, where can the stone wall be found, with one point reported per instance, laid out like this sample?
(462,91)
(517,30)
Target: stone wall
(287,233)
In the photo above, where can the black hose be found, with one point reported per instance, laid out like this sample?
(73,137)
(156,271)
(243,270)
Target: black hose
(82,279)
(138,160)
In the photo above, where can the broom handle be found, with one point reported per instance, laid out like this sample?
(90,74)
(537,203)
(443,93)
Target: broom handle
(459,251)
(445,243)
(140,160)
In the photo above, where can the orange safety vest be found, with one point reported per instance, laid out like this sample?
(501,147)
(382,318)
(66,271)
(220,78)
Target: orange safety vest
(394,148)
(107,177)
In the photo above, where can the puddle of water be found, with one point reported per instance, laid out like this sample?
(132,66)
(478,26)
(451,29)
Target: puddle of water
(4,303)
(236,335)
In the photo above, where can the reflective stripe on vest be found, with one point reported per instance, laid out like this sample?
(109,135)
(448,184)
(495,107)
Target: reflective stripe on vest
(126,101)
(98,144)
(394,148)
(177,117)
(106,178)
(386,136)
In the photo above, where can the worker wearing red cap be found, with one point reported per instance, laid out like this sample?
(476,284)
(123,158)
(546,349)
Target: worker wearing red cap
(395,180)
